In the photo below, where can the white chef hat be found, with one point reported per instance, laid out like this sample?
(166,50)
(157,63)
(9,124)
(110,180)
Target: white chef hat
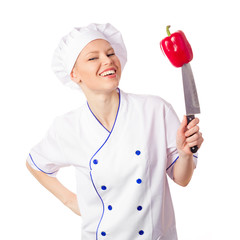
(72,44)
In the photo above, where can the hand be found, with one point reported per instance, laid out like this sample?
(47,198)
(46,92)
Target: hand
(72,204)
(188,136)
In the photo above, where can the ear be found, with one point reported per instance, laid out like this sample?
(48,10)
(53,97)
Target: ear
(74,76)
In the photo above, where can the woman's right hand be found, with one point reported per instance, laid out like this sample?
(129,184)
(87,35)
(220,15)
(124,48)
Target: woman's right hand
(72,204)
(52,184)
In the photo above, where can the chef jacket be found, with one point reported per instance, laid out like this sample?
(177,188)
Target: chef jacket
(122,186)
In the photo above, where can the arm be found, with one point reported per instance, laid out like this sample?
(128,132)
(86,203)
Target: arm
(52,184)
(187,136)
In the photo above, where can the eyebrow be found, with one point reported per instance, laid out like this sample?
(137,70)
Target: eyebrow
(98,51)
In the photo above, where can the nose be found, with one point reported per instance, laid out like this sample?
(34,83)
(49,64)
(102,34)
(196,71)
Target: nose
(106,60)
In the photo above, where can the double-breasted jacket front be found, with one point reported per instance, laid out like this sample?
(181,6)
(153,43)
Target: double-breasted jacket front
(122,183)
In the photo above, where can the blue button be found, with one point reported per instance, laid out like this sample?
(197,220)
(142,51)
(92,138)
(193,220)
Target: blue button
(109,207)
(139,181)
(103,234)
(141,232)
(103,187)
(139,208)
(138,152)
(95,161)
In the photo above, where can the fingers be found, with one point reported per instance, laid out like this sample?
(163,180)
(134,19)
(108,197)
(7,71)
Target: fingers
(184,122)
(193,135)
(193,123)
(192,131)
(182,128)
(198,143)
(189,134)
(194,139)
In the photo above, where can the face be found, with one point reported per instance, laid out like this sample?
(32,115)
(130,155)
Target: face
(97,68)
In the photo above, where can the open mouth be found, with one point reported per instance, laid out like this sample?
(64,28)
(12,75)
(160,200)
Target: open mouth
(108,73)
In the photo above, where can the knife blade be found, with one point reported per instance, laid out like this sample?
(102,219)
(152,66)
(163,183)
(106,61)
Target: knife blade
(190,95)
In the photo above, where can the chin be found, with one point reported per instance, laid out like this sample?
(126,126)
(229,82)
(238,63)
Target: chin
(109,90)
(111,86)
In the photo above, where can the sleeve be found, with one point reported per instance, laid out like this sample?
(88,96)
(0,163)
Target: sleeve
(47,156)
(172,124)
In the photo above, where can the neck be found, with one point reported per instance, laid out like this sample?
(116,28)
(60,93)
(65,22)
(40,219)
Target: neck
(104,106)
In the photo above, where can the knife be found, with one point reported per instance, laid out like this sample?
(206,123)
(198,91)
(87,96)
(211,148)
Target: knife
(190,95)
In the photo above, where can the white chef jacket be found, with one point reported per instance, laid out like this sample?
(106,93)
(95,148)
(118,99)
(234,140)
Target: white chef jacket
(122,186)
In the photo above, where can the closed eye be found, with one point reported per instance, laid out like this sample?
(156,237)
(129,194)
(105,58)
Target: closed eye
(112,54)
(94,58)
(91,59)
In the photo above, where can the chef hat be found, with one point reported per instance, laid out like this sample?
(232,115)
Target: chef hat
(72,44)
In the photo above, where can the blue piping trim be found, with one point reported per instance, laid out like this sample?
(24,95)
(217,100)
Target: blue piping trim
(96,117)
(90,162)
(102,205)
(177,159)
(173,162)
(38,167)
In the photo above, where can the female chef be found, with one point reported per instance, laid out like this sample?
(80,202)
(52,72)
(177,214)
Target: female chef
(122,145)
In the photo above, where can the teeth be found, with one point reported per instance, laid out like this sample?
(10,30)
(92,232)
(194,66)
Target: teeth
(107,73)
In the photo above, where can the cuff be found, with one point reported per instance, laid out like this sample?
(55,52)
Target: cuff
(33,165)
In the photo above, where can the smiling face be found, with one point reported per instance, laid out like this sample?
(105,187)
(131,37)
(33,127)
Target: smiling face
(97,68)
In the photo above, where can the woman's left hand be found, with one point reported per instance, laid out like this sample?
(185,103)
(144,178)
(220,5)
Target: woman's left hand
(188,135)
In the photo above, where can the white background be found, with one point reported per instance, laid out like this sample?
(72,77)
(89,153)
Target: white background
(31,96)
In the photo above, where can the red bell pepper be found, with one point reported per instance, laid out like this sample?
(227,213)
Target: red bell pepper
(177,48)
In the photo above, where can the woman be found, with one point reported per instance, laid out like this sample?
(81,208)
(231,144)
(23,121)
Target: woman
(122,145)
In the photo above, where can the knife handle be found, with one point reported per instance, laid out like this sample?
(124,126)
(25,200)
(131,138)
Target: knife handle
(189,119)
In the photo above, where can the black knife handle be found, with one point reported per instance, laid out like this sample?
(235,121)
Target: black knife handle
(189,119)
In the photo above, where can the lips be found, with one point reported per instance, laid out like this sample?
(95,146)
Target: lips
(108,72)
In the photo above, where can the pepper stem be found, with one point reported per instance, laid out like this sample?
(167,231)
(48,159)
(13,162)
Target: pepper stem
(167,29)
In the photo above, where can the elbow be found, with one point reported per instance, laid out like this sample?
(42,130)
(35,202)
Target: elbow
(182,183)
(30,169)
(28,166)
(183,178)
